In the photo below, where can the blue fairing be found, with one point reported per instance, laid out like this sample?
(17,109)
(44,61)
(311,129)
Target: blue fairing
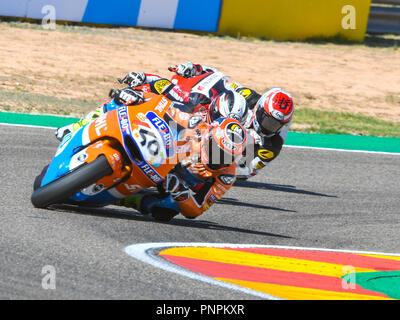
(61,161)
(111,105)
(71,144)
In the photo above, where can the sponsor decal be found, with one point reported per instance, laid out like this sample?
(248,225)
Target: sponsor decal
(213,198)
(139,123)
(277,114)
(179,94)
(165,132)
(182,196)
(99,124)
(227,179)
(141,117)
(133,187)
(66,138)
(147,140)
(233,85)
(260,165)
(151,145)
(208,82)
(150,172)
(162,104)
(65,142)
(194,121)
(123,118)
(235,133)
(212,78)
(245,92)
(229,145)
(208,204)
(265,154)
(284,103)
(160,85)
(220,190)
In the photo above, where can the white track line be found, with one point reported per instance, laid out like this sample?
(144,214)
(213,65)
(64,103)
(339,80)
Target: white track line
(27,125)
(143,252)
(285,146)
(343,150)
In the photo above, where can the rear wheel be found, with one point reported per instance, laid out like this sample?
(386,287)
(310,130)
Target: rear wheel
(71,183)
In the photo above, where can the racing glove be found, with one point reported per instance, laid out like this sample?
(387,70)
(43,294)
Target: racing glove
(61,132)
(187,70)
(176,188)
(134,79)
(127,96)
(244,172)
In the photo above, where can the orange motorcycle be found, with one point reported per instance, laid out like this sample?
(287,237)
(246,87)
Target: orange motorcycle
(117,155)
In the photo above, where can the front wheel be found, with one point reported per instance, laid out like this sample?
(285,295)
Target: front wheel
(71,183)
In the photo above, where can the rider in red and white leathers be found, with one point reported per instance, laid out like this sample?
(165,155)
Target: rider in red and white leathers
(268,119)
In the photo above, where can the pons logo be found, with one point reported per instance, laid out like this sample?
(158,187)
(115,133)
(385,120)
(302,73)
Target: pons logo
(235,133)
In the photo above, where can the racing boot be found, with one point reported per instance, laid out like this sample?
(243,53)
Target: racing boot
(131,202)
(61,132)
(160,207)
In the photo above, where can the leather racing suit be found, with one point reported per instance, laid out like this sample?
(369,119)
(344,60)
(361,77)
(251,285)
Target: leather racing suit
(265,148)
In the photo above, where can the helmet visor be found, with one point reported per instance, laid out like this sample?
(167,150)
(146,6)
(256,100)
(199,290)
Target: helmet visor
(216,156)
(213,112)
(268,124)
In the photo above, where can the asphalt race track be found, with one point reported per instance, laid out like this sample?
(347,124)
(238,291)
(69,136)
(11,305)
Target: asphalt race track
(306,198)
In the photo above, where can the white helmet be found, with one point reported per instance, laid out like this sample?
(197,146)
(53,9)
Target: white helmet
(228,104)
(273,110)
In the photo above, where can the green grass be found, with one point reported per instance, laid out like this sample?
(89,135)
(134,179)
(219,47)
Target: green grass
(329,122)
(304,120)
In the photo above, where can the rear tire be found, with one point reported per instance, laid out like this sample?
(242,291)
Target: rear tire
(71,183)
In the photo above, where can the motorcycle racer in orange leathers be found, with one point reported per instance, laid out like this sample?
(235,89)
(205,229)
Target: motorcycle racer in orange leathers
(207,169)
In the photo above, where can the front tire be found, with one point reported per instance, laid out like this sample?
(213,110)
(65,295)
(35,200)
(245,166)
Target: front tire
(39,178)
(71,183)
